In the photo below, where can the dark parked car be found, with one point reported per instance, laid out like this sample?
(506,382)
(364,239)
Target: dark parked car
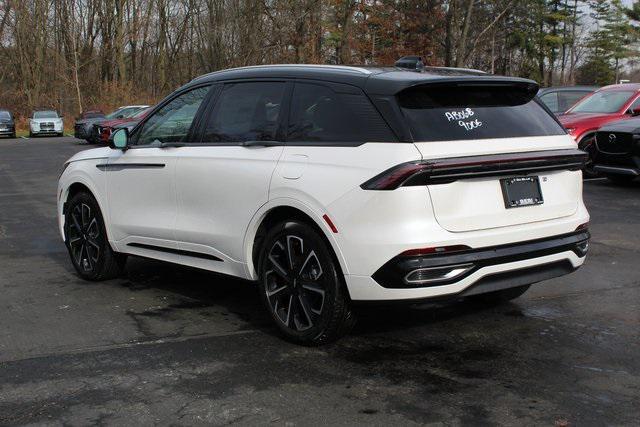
(560,98)
(7,124)
(102,131)
(84,126)
(617,150)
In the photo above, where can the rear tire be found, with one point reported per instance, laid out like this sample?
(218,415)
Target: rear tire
(87,242)
(301,285)
(501,296)
(620,179)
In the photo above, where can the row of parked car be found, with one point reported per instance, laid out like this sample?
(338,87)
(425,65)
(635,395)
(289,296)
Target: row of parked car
(41,122)
(96,127)
(604,122)
(93,126)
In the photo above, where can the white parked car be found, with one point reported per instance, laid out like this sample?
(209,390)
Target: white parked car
(331,185)
(45,122)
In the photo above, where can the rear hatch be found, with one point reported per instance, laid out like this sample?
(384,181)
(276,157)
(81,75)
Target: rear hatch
(499,158)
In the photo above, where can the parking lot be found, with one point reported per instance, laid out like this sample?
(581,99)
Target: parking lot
(172,345)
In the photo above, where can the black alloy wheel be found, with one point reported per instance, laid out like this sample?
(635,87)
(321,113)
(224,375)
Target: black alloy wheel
(87,242)
(301,286)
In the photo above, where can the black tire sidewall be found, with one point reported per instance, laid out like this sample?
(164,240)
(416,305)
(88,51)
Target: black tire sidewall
(105,248)
(334,293)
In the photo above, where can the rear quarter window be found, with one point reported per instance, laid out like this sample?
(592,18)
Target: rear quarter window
(320,115)
(444,113)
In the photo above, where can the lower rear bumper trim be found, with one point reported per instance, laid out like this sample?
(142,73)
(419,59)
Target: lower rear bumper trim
(392,274)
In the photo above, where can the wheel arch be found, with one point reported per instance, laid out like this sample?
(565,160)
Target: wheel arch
(278,211)
(73,186)
(588,134)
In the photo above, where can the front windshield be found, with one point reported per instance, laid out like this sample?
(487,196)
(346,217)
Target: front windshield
(123,112)
(603,102)
(45,115)
(4,115)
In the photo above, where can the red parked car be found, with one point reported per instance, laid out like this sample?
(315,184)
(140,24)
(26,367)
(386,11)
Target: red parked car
(608,104)
(103,130)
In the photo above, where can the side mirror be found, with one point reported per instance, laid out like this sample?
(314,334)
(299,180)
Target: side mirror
(119,139)
(635,111)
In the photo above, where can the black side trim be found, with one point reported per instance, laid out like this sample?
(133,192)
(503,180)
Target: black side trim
(391,274)
(175,251)
(122,166)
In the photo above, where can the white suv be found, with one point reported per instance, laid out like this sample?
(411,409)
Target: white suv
(332,185)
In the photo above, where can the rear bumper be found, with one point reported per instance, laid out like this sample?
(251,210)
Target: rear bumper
(486,269)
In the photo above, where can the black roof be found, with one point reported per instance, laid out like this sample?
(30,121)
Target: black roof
(374,80)
(567,89)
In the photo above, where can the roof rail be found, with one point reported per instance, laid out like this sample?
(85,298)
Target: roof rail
(347,68)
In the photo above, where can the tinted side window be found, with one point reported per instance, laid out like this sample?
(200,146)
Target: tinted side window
(551,101)
(172,122)
(446,113)
(318,114)
(566,100)
(246,112)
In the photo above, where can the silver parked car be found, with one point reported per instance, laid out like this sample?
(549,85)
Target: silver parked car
(45,122)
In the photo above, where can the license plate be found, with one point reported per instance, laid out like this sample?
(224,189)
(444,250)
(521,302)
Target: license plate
(521,191)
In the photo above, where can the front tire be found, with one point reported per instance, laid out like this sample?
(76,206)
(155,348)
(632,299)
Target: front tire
(86,240)
(301,285)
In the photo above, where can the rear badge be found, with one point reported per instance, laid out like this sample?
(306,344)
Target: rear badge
(521,191)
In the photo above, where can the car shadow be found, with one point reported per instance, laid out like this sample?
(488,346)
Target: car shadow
(200,289)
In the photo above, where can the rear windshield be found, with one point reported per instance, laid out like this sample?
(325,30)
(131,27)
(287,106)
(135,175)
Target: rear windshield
(45,115)
(604,102)
(446,113)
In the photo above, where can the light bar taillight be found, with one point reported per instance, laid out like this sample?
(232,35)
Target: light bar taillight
(394,177)
(441,171)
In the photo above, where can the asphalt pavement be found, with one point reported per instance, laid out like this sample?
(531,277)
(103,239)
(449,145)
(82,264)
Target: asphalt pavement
(172,345)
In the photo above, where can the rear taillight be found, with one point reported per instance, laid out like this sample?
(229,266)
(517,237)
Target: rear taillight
(441,171)
(395,177)
(584,226)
